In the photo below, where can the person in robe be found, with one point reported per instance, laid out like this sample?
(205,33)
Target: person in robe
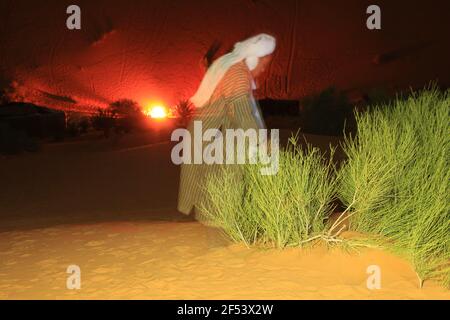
(224,100)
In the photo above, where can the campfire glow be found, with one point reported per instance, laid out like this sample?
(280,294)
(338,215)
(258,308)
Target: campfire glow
(157,112)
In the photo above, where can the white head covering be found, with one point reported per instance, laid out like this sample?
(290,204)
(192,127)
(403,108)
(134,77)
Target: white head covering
(249,50)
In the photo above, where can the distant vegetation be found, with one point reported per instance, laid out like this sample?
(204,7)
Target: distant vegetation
(121,116)
(326,113)
(329,112)
(103,120)
(76,125)
(184,111)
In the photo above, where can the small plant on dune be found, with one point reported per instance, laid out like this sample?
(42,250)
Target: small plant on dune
(184,111)
(395,182)
(289,208)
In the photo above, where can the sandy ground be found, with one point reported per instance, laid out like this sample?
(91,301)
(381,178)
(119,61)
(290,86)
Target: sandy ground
(110,209)
(167,260)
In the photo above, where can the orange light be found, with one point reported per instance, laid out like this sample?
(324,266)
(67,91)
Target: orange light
(157,112)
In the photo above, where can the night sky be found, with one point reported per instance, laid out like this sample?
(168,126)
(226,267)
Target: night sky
(152,50)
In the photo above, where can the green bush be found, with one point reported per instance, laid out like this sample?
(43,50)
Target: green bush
(395,182)
(289,208)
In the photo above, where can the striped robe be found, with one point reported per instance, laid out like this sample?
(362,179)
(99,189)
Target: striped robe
(231,106)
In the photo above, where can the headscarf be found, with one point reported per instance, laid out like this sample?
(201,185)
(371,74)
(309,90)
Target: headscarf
(249,50)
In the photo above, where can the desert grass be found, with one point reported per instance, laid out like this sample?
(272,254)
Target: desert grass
(394,185)
(395,182)
(289,208)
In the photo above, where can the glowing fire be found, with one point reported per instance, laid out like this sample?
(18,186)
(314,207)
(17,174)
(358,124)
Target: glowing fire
(157,112)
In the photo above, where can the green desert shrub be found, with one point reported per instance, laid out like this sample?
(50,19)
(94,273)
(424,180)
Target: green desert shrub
(395,181)
(289,208)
